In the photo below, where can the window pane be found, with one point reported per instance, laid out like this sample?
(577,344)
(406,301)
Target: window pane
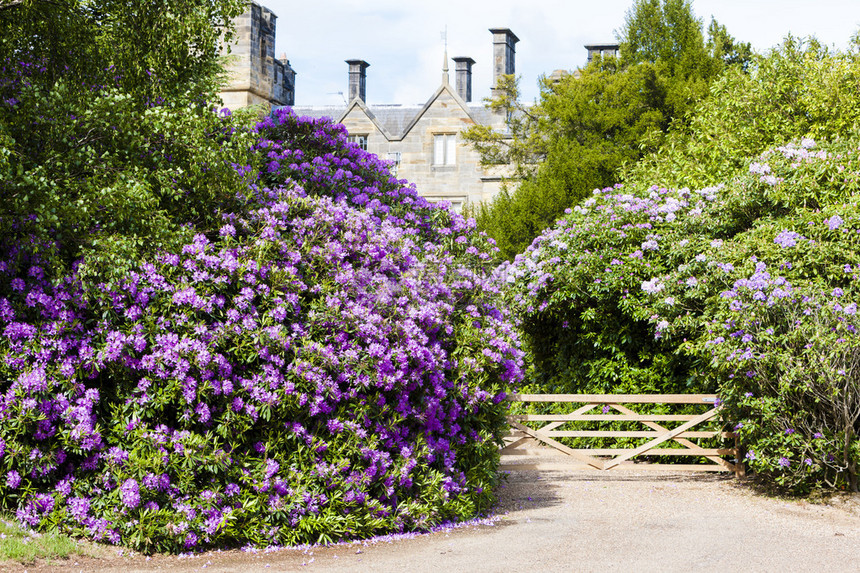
(451,152)
(360,140)
(438,150)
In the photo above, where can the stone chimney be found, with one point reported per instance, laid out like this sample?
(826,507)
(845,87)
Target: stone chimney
(357,79)
(504,51)
(463,77)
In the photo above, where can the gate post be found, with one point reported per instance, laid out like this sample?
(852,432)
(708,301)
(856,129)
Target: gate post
(740,465)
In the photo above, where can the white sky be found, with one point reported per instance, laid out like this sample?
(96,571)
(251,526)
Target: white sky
(401,39)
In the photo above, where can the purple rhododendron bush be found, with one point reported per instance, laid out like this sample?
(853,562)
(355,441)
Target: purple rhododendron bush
(330,362)
(748,289)
(727,262)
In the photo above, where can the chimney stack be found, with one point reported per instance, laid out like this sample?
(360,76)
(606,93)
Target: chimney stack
(463,77)
(357,79)
(504,51)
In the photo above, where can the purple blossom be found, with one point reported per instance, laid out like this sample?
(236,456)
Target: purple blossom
(130,493)
(787,239)
(652,286)
(78,508)
(760,168)
(13,479)
(834,222)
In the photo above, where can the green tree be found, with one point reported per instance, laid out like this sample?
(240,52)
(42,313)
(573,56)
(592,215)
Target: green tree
(588,125)
(108,147)
(667,32)
(149,48)
(573,141)
(799,89)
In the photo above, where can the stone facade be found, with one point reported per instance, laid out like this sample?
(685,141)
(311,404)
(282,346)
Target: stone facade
(423,142)
(255,75)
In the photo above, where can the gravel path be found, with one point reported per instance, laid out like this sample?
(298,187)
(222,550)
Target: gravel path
(584,521)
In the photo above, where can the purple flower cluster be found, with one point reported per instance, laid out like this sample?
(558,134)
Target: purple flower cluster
(787,239)
(331,363)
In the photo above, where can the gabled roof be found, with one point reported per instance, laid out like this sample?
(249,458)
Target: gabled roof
(445,87)
(357,103)
(395,121)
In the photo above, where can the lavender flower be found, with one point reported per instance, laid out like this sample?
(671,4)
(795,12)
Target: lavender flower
(834,222)
(130,493)
(13,479)
(652,286)
(787,239)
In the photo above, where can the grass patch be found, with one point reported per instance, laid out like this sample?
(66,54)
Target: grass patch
(26,546)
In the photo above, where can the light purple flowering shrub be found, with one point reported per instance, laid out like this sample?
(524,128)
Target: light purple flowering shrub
(791,359)
(748,289)
(581,289)
(330,364)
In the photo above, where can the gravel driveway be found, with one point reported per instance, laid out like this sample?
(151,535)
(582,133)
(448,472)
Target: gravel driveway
(585,521)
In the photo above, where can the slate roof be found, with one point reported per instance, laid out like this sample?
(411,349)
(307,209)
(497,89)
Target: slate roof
(394,118)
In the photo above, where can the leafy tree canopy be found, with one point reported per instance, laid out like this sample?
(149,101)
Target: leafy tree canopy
(800,88)
(151,48)
(589,124)
(108,147)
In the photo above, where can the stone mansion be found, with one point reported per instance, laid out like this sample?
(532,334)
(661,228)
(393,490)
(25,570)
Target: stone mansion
(423,141)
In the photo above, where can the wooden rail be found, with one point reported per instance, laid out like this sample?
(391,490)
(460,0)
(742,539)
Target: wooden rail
(522,435)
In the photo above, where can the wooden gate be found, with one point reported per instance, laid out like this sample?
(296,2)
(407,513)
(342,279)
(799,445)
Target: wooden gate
(524,438)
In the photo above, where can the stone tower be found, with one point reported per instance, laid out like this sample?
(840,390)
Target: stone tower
(255,75)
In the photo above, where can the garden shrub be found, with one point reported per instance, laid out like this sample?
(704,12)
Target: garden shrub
(329,363)
(726,263)
(783,331)
(745,288)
